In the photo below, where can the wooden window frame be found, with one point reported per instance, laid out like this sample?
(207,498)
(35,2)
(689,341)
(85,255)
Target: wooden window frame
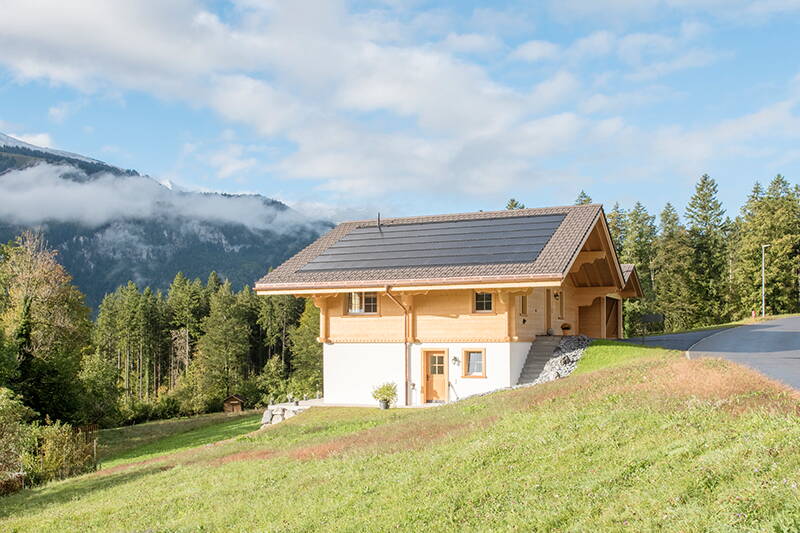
(465,363)
(475,309)
(348,296)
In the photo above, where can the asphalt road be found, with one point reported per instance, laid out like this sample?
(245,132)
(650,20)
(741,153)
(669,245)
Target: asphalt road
(772,348)
(674,341)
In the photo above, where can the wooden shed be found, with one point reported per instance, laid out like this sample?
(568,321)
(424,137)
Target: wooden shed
(233,404)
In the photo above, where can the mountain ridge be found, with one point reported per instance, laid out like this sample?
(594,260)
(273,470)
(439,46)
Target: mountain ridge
(111,225)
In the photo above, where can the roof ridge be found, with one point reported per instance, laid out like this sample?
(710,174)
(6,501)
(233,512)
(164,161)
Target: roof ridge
(477,214)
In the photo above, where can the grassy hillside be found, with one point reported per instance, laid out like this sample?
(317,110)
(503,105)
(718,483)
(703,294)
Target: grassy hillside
(656,442)
(129,443)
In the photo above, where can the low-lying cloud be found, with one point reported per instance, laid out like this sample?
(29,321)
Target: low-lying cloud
(41,194)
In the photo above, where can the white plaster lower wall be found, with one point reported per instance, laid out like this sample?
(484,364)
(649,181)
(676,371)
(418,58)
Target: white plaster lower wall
(352,370)
(499,369)
(519,353)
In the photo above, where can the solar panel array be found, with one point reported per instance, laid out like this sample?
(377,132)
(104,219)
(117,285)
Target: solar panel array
(461,242)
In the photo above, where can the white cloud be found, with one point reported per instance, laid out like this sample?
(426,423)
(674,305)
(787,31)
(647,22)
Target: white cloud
(63,110)
(624,100)
(368,103)
(231,160)
(691,149)
(39,194)
(471,43)
(536,51)
(599,43)
(622,11)
(552,91)
(687,60)
(39,139)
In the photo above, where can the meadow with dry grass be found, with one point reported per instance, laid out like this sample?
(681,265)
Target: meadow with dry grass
(645,441)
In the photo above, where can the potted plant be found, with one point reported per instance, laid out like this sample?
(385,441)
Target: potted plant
(386,394)
(565,327)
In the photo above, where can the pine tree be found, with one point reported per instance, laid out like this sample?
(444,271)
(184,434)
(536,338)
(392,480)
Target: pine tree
(8,363)
(224,346)
(514,204)
(769,217)
(277,316)
(100,381)
(616,226)
(214,283)
(307,352)
(249,306)
(273,382)
(670,263)
(637,248)
(583,198)
(707,274)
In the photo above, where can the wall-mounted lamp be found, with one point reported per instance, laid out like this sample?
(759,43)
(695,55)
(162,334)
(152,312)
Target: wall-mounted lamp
(556,295)
(455,360)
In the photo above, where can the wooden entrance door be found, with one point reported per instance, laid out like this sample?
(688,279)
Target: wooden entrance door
(435,376)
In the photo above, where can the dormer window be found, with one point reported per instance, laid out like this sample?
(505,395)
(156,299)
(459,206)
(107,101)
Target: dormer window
(362,303)
(483,302)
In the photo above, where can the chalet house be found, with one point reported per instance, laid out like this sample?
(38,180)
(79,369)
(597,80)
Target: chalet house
(449,306)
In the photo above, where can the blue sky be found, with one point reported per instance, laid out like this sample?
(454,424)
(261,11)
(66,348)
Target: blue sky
(414,107)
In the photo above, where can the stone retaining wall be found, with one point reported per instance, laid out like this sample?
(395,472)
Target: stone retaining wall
(277,413)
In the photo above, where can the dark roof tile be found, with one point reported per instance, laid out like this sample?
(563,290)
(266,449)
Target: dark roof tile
(551,261)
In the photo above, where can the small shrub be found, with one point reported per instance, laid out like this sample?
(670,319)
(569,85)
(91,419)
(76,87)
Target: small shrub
(166,406)
(386,393)
(16,438)
(60,452)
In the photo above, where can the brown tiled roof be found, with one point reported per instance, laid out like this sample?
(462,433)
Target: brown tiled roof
(552,262)
(627,270)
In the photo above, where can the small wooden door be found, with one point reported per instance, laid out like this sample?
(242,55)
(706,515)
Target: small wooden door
(435,377)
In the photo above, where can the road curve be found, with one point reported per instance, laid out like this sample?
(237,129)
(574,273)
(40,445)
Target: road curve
(772,348)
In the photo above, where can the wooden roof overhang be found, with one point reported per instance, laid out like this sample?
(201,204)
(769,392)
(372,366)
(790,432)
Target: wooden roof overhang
(521,282)
(595,264)
(632,289)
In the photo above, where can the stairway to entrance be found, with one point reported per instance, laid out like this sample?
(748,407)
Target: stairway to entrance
(540,352)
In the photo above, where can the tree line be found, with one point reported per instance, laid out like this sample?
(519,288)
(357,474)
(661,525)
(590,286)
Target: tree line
(151,355)
(705,268)
(148,354)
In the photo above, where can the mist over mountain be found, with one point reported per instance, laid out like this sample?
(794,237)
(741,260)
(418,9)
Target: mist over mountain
(111,225)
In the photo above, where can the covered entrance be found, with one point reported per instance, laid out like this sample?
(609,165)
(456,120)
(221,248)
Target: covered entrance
(602,319)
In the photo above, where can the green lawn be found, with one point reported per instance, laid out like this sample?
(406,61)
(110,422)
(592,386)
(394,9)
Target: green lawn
(650,442)
(609,354)
(129,443)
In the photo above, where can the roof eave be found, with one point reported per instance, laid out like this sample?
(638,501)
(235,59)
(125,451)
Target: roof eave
(538,280)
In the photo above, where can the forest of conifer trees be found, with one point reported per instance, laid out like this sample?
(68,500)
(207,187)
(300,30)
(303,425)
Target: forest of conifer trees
(705,269)
(150,355)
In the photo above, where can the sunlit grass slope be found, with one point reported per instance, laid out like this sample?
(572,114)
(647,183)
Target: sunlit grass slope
(651,442)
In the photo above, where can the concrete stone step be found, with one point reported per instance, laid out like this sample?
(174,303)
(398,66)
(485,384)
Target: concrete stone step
(540,352)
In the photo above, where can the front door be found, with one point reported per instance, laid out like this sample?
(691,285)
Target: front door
(435,377)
